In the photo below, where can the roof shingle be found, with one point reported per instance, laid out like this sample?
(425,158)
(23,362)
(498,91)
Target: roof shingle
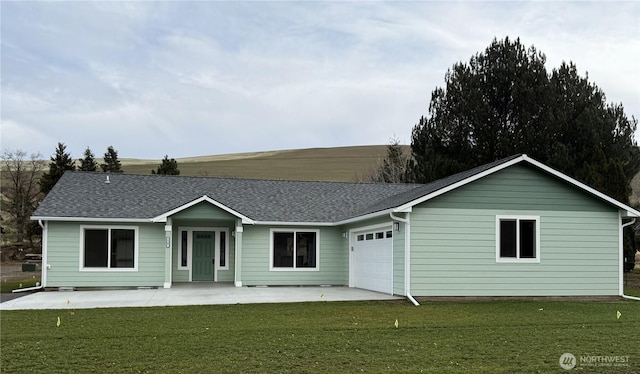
(130,196)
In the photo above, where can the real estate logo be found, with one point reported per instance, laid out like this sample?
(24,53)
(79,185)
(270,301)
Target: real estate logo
(567,361)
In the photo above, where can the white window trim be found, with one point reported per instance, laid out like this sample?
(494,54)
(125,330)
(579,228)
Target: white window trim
(109,268)
(517,259)
(227,236)
(294,231)
(217,231)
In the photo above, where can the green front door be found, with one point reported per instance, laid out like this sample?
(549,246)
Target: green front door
(203,252)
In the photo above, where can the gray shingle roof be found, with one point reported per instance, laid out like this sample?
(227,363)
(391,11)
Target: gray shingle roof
(86,195)
(128,196)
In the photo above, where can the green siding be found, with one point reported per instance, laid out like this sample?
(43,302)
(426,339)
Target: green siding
(333,260)
(203,210)
(398,260)
(63,255)
(453,244)
(520,187)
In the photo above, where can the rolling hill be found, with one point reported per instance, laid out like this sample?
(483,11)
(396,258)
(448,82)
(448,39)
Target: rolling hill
(321,164)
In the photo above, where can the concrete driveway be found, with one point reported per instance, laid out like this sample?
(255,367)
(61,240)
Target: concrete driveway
(188,294)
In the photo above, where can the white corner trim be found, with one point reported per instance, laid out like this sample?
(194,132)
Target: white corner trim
(166,285)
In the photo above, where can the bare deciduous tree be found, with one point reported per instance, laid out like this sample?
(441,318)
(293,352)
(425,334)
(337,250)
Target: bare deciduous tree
(392,168)
(20,189)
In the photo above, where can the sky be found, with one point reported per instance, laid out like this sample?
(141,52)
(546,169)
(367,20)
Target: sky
(195,78)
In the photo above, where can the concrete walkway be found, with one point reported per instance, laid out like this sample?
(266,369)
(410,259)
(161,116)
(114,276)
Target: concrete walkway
(188,294)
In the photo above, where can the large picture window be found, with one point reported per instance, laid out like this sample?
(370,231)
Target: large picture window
(109,247)
(294,249)
(517,239)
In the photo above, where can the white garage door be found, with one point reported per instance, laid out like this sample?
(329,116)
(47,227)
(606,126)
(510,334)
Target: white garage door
(373,260)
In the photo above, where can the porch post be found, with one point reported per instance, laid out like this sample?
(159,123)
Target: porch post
(238,254)
(168,240)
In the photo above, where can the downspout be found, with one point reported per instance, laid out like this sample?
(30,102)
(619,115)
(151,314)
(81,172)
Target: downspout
(622,259)
(44,261)
(407,258)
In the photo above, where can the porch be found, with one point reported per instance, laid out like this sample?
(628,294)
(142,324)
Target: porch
(189,294)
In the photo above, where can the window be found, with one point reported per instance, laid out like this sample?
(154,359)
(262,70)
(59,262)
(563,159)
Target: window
(294,250)
(223,249)
(184,242)
(108,248)
(517,239)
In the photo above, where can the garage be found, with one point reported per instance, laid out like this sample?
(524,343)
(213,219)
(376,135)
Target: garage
(372,253)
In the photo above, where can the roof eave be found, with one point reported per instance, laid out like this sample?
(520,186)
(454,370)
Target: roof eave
(89,219)
(409,205)
(627,210)
(363,217)
(293,223)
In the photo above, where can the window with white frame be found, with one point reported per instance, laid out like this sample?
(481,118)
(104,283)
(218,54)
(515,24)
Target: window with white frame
(292,249)
(109,248)
(518,239)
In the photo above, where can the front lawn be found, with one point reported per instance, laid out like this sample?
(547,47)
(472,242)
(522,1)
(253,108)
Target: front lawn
(482,336)
(7,286)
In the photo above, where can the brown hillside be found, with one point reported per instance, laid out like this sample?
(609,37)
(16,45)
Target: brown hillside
(326,164)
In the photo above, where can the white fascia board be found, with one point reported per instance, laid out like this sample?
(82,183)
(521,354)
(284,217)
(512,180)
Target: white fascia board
(204,198)
(407,207)
(279,223)
(89,219)
(627,211)
(377,214)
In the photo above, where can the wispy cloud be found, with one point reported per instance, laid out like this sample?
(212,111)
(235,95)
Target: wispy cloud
(194,78)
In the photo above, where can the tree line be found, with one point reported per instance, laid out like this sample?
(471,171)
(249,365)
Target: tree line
(25,182)
(503,102)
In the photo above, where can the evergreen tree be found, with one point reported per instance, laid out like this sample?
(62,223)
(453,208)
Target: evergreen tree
(111,162)
(60,163)
(167,167)
(504,102)
(88,163)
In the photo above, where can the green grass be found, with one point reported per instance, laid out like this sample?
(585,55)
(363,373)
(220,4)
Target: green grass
(7,286)
(444,337)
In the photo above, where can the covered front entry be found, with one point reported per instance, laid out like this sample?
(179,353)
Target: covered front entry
(203,256)
(372,259)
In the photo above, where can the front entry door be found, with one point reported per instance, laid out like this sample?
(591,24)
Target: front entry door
(203,255)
